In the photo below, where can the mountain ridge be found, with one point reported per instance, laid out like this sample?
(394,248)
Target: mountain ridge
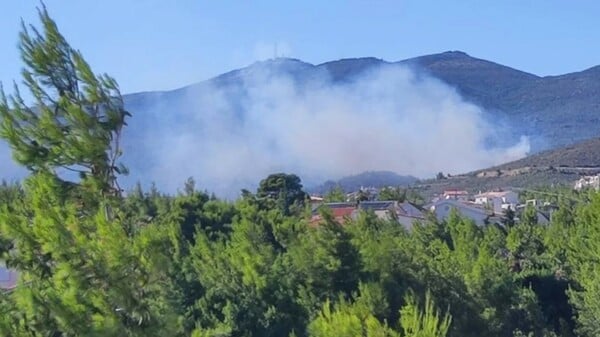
(559,167)
(376,179)
(553,111)
(346,60)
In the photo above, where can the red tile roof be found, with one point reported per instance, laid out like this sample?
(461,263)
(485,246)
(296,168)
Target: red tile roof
(342,212)
(339,215)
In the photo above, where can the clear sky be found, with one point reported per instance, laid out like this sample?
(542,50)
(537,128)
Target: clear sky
(161,44)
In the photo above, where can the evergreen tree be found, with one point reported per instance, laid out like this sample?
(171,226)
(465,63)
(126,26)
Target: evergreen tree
(283,189)
(392,193)
(336,194)
(508,218)
(92,262)
(584,258)
(81,272)
(77,117)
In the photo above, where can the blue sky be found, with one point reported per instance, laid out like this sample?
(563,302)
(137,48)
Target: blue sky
(159,45)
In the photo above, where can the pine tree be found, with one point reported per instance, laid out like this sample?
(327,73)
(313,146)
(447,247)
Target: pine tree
(584,257)
(76,118)
(82,273)
(335,194)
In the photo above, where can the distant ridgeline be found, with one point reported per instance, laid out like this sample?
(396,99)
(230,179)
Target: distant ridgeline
(552,110)
(559,167)
(375,179)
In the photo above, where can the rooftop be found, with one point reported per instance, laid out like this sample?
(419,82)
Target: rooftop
(456,192)
(496,194)
(376,205)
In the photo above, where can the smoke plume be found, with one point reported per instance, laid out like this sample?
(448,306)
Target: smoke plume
(391,118)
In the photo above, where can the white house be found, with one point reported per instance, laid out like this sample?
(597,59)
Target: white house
(478,214)
(456,195)
(316,200)
(588,182)
(498,201)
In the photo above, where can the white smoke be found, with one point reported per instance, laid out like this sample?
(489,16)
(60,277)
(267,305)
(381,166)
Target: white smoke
(388,119)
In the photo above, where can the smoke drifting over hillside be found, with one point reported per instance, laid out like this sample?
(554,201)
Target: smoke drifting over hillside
(388,119)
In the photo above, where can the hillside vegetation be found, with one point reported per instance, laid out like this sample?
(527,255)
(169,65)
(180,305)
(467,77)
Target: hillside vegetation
(377,179)
(94,262)
(584,154)
(559,167)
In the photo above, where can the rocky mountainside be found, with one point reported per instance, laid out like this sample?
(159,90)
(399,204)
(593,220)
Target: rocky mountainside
(559,109)
(559,167)
(553,110)
(585,154)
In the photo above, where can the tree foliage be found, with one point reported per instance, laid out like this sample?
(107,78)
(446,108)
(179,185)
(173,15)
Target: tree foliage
(76,121)
(335,194)
(94,262)
(285,190)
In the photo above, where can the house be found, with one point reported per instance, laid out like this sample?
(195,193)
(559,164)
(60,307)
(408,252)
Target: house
(543,213)
(548,209)
(543,219)
(341,211)
(383,209)
(475,212)
(532,202)
(588,182)
(498,202)
(407,214)
(456,195)
(368,193)
(315,201)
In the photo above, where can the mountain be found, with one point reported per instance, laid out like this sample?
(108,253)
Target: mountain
(376,179)
(187,131)
(584,155)
(561,166)
(553,110)
(207,129)
(483,82)
(561,109)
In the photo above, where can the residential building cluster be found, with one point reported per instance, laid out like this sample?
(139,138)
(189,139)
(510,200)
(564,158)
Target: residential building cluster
(403,212)
(483,208)
(586,182)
